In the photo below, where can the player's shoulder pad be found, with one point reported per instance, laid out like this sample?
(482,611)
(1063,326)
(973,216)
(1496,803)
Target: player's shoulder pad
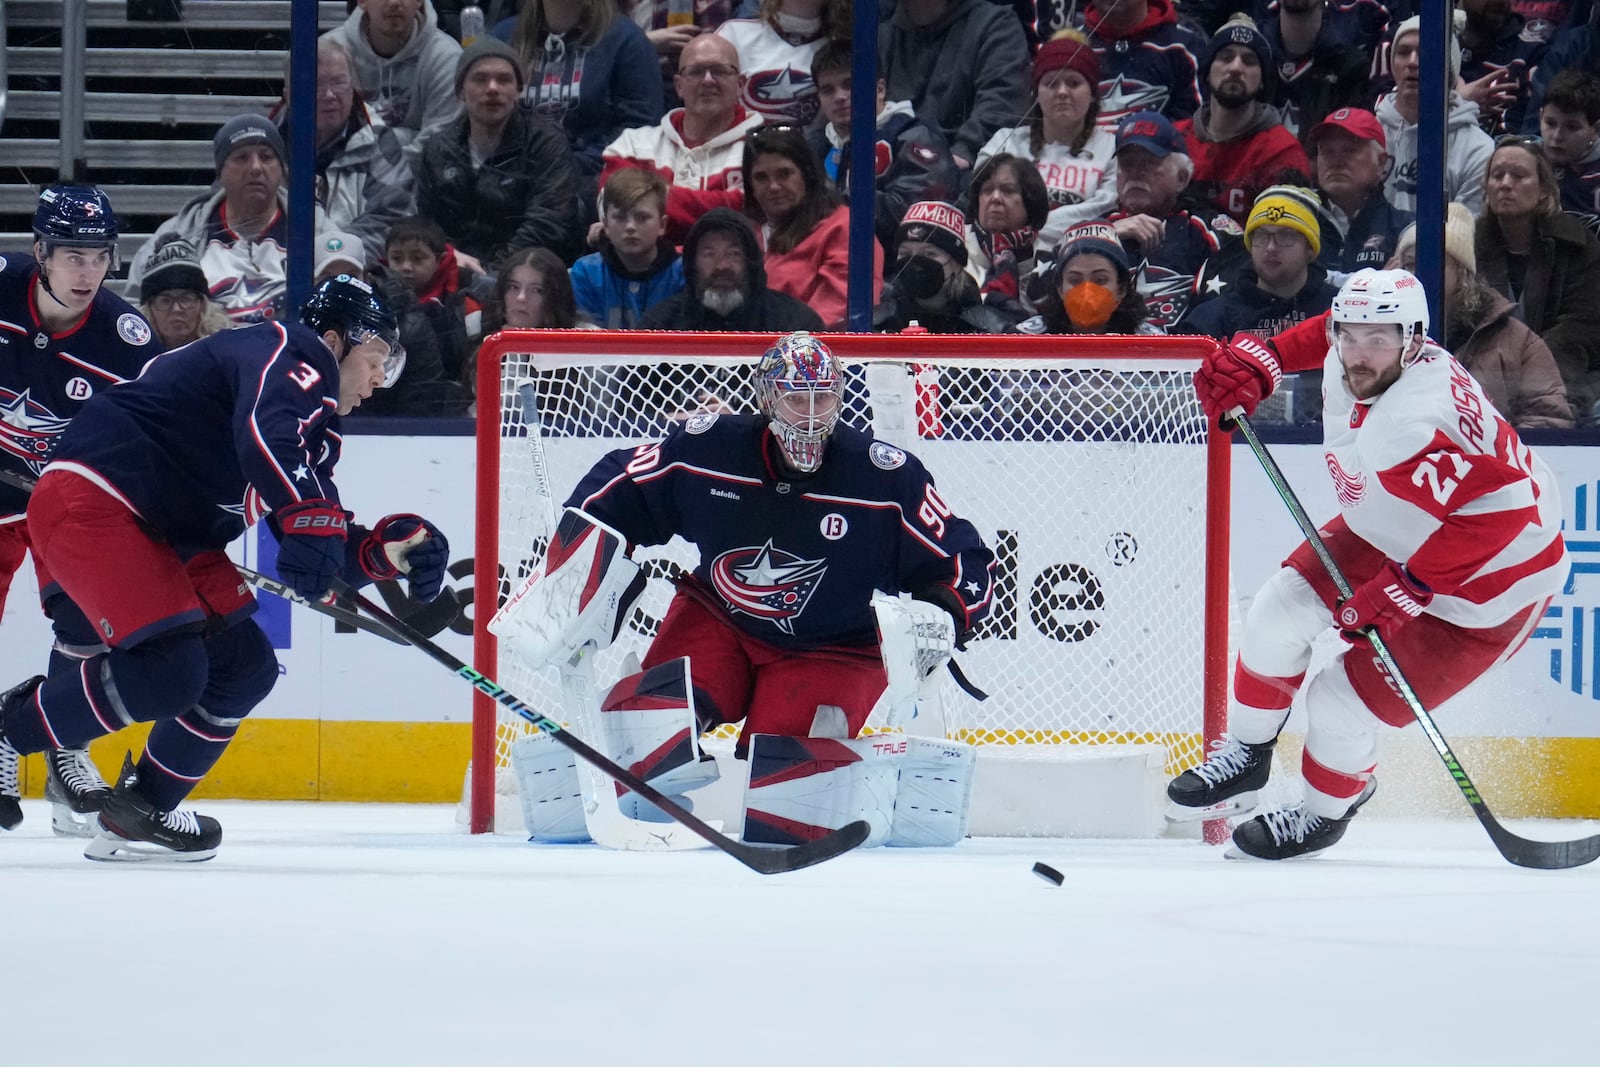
(124,320)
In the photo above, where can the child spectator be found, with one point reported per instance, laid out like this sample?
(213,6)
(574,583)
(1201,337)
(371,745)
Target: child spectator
(636,267)
(1569,121)
(433,294)
(533,292)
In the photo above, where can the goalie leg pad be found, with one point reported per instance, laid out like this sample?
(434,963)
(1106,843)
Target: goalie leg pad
(915,638)
(935,794)
(547,782)
(583,597)
(804,787)
(650,728)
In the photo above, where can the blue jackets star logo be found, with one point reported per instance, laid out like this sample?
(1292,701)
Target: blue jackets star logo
(767,583)
(28,429)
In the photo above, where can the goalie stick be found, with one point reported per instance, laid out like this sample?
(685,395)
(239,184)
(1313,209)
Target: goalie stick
(333,608)
(758,859)
(1544,855)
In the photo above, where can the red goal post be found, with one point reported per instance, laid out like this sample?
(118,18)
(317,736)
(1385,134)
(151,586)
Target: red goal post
(1084,462)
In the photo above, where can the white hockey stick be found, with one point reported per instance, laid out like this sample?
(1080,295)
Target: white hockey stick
(605,820)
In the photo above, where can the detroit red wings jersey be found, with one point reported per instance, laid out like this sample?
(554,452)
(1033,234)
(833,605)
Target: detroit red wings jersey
(45,377)
(792,563)
(777,74)
(1433,476)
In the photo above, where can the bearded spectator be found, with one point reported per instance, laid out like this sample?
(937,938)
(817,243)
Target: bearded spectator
(1238,141)
(726,284)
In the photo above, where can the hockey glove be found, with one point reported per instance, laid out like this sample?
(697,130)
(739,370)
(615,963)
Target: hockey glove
(1386,603)
(408,545)
(311,536)
(1239,374)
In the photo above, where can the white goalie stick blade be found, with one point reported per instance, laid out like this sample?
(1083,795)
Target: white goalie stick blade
(607,824)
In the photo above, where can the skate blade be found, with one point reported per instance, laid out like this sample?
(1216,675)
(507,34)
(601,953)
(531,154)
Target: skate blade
(109,848)
(64,822)
(1232,808)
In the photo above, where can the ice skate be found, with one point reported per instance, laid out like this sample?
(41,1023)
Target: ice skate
(75,790)
(1289,833)
(1228,783)
(10,759)
(133,829)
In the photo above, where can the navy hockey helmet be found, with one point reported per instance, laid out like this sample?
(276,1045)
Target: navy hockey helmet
(75,216)
(348,306)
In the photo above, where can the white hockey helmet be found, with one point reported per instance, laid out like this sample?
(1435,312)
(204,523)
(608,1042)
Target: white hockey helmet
(800,388)
(1384,296)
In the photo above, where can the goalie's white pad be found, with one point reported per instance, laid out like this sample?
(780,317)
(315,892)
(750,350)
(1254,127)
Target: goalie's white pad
(547,782)
(649,724)
(935,794)
(582,598)
(915,639)
(804,787)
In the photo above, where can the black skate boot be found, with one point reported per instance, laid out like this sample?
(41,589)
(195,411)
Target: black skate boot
(10,759)
(1291,832)
(131,828)
(1226,784)
(75,791)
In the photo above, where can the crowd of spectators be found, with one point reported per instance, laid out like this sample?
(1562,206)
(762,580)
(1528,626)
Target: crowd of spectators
(1112,166)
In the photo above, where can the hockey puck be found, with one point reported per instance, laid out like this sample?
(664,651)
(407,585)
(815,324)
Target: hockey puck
(1048,873)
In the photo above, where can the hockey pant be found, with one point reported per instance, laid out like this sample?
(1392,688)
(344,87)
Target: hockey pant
(775,691)
(1348,700)
(142,636)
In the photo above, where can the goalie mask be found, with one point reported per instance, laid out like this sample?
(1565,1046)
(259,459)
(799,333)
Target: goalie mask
(800,389)
(1379,297)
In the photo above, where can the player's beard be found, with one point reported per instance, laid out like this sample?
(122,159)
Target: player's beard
(722,301)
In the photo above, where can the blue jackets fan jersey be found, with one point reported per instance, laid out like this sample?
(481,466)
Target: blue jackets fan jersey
(46,378)
(792,563)
(216,433)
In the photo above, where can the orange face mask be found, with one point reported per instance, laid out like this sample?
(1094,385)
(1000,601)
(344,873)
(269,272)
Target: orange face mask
(1089,305)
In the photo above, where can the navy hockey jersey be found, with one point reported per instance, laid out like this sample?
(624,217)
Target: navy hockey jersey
(216,433)
(46,378)
(793,563)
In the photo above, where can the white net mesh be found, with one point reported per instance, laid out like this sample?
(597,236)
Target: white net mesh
(1083,469)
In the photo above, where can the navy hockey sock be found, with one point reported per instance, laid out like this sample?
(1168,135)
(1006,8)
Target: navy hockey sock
(180,751)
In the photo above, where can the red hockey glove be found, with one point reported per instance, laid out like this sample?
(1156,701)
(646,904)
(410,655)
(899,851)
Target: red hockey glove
(409,545)
(1239,374)
(311,537)
(1386,603)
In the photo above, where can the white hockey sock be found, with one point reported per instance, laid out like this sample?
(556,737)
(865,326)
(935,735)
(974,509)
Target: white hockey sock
(1341,743)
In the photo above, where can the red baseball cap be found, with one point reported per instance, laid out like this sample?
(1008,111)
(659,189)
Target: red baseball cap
(1354,121)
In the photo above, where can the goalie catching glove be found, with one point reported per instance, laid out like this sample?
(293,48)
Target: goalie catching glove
(1239,374)
(916,638)
(582,598)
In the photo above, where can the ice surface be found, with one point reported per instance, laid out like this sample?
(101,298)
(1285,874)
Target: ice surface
(368,934)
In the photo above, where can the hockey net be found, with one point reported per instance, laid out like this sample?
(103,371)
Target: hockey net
(1085,464)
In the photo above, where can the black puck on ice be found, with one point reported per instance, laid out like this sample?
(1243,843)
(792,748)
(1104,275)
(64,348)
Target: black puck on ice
(1048,873)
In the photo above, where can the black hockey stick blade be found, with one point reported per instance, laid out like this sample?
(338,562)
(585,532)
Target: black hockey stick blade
(762,860)
(1522,851)
(337,609)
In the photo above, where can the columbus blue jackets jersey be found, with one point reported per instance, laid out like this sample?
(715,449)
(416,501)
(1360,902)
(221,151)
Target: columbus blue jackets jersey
(216,433)
(46,378)
(793,563)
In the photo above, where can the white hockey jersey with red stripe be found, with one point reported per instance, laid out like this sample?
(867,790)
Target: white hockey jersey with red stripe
(1433,476)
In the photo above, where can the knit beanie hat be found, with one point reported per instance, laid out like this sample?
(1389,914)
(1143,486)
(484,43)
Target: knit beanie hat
(486,47)
(940,224)
(1290,206)
(1458,238)
(1414,25)
(1095,237)
(1241,29)
(244,130)
(174,265)
(1068,50)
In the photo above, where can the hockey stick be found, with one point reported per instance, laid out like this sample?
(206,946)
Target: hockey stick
(1544,855)
(759,859)
(333,609)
